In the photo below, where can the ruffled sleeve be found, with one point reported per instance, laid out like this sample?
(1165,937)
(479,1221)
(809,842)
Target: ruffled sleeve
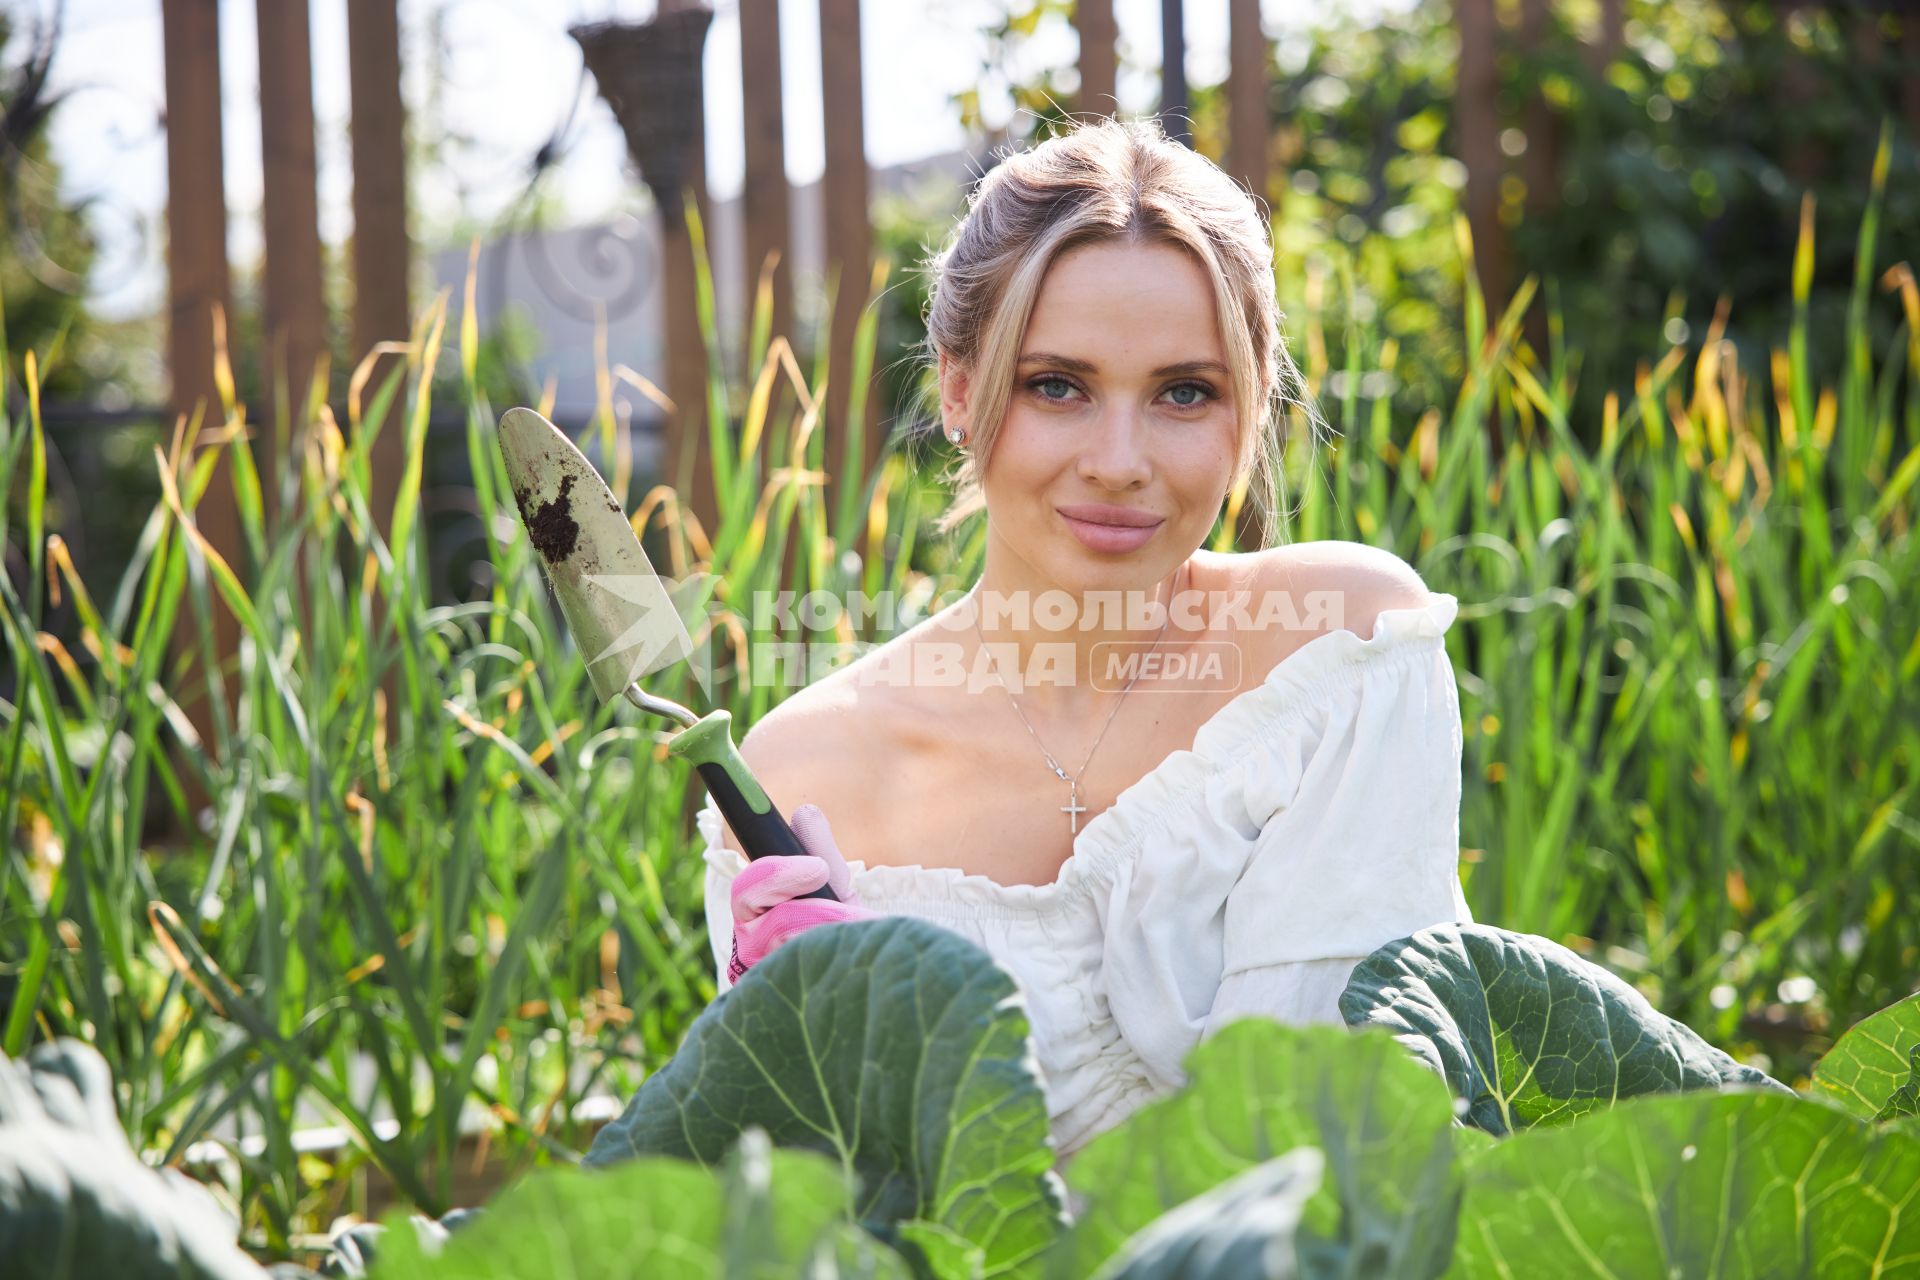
(723,864)
(1337,783)
(1364,849)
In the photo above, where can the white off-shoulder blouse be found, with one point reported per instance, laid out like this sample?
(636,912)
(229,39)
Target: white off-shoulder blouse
(1315,818)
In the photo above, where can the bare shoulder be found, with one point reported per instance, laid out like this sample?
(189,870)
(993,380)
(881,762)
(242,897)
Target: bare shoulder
(784,748)
(1366,580)
(1333,584)
(813,746)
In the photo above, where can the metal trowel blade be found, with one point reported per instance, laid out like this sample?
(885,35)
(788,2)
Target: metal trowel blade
(620,614)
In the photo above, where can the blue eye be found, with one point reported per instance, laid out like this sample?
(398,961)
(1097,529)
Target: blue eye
(1038,386)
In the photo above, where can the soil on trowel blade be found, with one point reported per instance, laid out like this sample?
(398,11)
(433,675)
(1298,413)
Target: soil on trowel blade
(554,531)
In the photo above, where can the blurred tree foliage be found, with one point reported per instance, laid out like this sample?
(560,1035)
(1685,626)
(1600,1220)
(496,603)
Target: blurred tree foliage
(1680,172)
(47,251)
(46,248)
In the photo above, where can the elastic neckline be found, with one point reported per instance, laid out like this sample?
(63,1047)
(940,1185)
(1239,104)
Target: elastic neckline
(1295,684)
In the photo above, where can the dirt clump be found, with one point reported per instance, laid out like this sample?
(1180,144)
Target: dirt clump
(551,526)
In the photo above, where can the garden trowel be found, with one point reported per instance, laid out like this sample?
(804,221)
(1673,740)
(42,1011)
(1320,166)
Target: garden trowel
(622,618)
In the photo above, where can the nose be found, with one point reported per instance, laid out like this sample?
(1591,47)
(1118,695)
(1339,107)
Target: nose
(1114,455)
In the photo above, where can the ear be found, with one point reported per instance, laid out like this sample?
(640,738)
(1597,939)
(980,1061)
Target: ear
(953,393)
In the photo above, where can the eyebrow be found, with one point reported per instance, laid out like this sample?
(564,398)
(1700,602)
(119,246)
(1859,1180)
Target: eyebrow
(1077,365)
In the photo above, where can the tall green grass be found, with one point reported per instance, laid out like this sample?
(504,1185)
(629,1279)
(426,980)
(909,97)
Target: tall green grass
(428,848)
(1691,724)
(1686,663)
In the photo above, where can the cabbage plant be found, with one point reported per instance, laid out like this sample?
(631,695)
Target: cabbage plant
(865,1103)
(76,1203)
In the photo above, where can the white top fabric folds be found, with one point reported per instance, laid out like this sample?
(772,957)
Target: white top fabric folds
(1315,817)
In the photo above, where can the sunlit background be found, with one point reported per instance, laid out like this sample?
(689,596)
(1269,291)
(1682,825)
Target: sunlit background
(1608,322)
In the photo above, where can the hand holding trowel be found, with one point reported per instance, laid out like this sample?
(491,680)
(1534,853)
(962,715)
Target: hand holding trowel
(622,618)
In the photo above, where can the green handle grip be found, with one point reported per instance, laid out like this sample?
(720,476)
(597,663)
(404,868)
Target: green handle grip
(762,830)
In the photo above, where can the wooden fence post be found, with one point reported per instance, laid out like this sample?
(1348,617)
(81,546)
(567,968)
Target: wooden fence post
(1612,37)
(1174,108)
(381,254)
(198,286)
(849,235)
(1476,123)
(1248,117)
(295,329)
(686,347)
(1540,162)
(1099,36)
(764,194)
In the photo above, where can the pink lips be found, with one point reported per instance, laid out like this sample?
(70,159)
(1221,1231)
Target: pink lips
(1108,528)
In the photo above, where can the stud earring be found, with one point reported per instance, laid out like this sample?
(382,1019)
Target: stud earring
(956,435)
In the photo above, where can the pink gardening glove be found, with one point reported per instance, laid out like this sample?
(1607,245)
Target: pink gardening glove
(767,908)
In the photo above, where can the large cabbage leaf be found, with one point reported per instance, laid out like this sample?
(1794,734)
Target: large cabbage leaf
(1873,1071)
(762,1215)
(1243,1227)
(1257,1089)
(1904,1103)
(1698,1185)
(893,1045)
(1526,1031)
(76,1203)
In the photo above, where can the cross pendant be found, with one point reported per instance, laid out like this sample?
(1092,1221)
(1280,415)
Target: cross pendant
(1073,808)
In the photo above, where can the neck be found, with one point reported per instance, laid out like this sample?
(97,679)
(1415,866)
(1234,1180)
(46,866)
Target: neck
(1064,652)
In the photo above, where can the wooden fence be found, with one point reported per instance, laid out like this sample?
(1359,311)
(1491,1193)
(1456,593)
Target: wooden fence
(295,321)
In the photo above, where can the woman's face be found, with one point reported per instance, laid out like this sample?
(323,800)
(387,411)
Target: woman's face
(1120,408)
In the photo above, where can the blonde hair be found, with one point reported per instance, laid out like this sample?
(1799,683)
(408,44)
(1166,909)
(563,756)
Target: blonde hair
(1104,181)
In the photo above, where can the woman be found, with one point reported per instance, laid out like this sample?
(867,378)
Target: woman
(1148,861)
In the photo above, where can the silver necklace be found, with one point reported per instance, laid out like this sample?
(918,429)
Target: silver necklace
(1072,808)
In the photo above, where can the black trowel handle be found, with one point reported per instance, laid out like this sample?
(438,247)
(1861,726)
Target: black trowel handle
(743,802)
